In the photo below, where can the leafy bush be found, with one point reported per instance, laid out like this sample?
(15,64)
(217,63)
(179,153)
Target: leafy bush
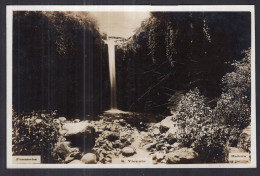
(199,130)
(35,134)
(233,108)
(208,130)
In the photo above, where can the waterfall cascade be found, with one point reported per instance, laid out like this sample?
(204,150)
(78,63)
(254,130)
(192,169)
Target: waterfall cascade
(112,72)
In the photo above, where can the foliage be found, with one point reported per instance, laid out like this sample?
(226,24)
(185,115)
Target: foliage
(35,134)
(54,54)
(174,52)
(199,130)
(234,108)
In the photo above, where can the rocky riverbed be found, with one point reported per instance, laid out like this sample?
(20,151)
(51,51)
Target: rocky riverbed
(120,135)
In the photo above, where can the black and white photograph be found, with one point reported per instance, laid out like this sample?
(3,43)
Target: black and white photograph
(131,86)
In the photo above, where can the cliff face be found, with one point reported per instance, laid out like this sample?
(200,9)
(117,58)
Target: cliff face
(59,63)
(175,52)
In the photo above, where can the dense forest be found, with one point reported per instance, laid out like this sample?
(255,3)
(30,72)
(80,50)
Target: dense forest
(60,62)
(172,53)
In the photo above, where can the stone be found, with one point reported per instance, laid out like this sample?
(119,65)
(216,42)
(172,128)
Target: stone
(128,151)
(62,150)
(156,131)
(81,134)
(72,156)
(113,136)
(171,138)
(166,124)
(76,162)
(62,119)
(149,146)
(181,156)
(89,158)
(76,121)
(177,146)
(159,156)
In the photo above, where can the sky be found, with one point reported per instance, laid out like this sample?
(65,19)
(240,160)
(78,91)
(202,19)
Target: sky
(119,24)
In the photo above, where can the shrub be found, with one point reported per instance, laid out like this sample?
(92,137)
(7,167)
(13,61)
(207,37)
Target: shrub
(234,108)
(35,134)
(199,130)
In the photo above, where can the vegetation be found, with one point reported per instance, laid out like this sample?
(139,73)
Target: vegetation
(35,134)
(174,52)
(56,55)
(208,130)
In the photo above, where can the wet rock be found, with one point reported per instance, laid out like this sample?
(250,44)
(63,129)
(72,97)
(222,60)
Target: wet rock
(181,156)
(128,151)
(76,162)
(89,158)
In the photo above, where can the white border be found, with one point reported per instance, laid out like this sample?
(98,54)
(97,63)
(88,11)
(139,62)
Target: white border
(134,8)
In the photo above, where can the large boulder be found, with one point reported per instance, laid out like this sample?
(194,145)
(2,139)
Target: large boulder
(81,134)
(89,158)
(128,151)
(182,156)
(167,124)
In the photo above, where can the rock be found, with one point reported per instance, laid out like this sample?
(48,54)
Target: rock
(166,124)
(62,150)
(72,156)
(171,138)
(177,146)
(76,162)
(113,136)
(159,146)
(81,134)
(76,121)
(89,158)
(159,156)
(181,156)
(128,151)
(149,146)
(156,131)
(62,119)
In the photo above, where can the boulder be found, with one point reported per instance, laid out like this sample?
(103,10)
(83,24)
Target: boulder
(171,138)
(182,156)
(112,136)
(81,134)
(89,158)
(128,151)
(62,150)
(76,162)
(166,124)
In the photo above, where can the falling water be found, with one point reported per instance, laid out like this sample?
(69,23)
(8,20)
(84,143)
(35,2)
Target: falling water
(112,73)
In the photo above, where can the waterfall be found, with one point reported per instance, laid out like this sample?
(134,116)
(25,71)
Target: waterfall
(112,73)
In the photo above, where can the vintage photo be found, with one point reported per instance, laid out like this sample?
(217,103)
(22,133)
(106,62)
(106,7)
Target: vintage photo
(113,86)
